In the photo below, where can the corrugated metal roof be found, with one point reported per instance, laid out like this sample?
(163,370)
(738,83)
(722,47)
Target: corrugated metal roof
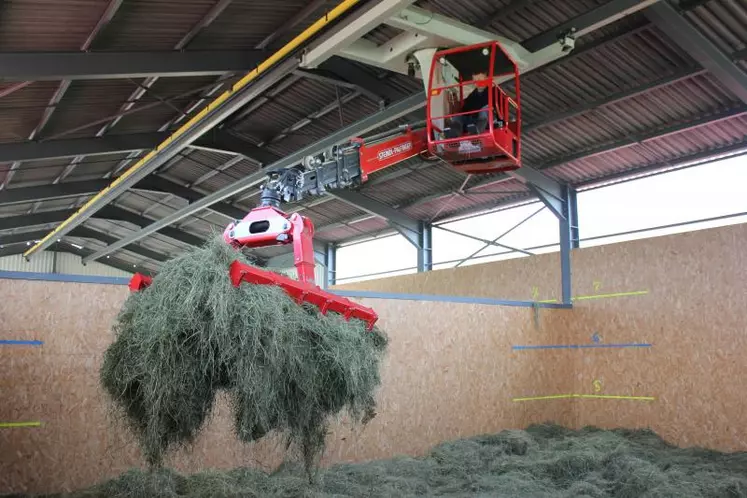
(194,164)
(23,208)
(84,103)
(353,230)
(36,25)
(399,191)
(724,22)
(453,204)
(21,111)
(627,57)
(152,24)
(174,94)
(625,63)
(683,101)
(224,177)
(331,211)
(150,204)
(676,146)
(36,172)
(93,167)
(229,31)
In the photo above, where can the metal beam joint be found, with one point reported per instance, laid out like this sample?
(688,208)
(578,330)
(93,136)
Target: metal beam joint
(550,192)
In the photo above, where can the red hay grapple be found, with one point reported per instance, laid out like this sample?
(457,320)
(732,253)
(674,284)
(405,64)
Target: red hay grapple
(267,226)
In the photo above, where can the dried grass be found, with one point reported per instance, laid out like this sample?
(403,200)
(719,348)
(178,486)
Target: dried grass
(192,333)
(545,461)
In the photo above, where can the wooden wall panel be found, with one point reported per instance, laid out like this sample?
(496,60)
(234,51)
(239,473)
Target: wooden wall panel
(690,305)
(451,371)
(446,376)
(510,279)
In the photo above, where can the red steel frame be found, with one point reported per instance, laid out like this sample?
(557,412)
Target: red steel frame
(303,292)
(496,144)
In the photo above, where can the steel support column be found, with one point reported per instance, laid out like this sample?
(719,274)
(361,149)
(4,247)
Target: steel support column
(331,264)
(561,200)
(418,233)
(548,190)
(568,224)
(573,213)
(425,251)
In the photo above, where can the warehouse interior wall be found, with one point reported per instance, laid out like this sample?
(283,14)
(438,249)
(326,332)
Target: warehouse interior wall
(453,370)
(59,262)
(658,318)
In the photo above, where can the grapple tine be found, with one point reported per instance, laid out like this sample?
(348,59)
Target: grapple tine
(303,292)
(325,307)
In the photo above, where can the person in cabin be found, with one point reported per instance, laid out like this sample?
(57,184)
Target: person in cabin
(475,65)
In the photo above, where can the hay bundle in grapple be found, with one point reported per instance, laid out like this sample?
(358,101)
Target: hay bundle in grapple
(287,367)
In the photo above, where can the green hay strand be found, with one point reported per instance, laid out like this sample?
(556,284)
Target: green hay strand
(287,368)
(545,461)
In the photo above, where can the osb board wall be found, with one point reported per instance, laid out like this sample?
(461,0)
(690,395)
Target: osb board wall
(450,374)
(692,313)
(447,375)
(451,371)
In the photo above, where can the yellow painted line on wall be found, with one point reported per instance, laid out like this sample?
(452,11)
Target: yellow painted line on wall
(10,425)
(601,296)
(615,294)
(250,76)
(585,396)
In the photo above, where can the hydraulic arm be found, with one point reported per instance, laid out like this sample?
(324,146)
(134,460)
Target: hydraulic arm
(490,144)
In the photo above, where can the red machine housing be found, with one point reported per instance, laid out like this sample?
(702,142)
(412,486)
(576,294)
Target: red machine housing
(268,226)
(498,147)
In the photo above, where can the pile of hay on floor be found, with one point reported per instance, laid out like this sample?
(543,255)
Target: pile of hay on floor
(545,461)
(286,368)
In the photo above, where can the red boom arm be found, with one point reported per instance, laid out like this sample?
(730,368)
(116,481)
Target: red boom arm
(390,152)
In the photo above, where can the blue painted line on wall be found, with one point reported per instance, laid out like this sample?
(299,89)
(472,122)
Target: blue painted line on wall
(586,346)
(58,277)
(21,343)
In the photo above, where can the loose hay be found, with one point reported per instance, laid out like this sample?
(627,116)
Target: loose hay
(545,461)
(191,333)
